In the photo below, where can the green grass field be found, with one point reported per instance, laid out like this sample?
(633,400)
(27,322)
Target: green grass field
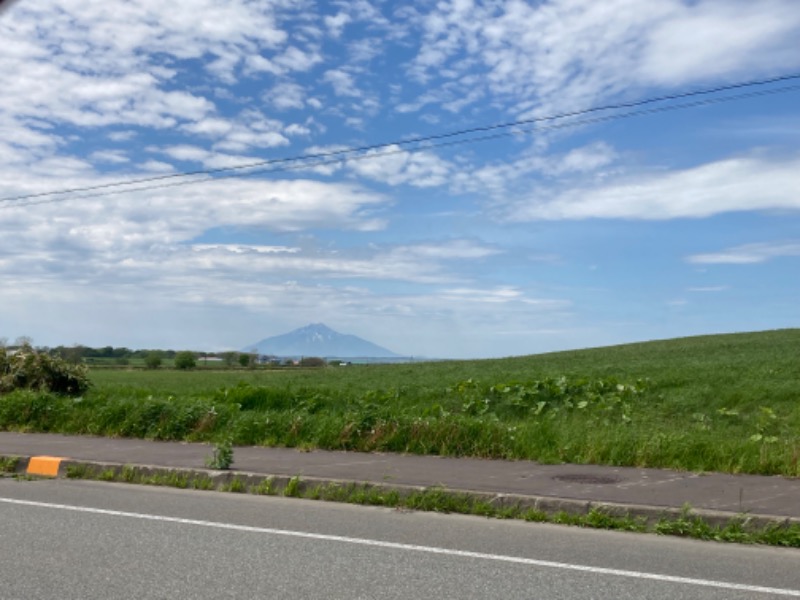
(714,403)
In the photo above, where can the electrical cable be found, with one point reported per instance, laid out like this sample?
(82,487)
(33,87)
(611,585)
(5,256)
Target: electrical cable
(335,157)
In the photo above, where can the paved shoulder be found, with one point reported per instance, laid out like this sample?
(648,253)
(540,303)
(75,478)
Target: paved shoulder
(776,496)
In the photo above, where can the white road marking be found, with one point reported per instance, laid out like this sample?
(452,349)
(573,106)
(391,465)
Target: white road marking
(415,548)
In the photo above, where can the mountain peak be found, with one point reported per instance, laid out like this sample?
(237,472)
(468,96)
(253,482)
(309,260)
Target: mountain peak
(317,339)
(318,327)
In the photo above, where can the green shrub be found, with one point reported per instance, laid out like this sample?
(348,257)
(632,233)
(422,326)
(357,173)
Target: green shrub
(222,457)
(153,359)
(185,360)
(312,361)
(28,369)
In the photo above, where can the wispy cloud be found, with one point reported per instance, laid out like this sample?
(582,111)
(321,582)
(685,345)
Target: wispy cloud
(156,166)
(535,167)
(105,231)
(342,82)
(287,95)
(110,156)
(737,184)
(421,264)
(748,254)
(396,166)
(709,289)
(615,47)
(336,23)
(120,73)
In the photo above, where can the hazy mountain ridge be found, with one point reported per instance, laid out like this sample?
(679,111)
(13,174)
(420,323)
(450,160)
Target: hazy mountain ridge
(318,339)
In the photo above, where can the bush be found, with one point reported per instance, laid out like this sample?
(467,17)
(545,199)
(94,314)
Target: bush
(152,360)
(185,360)
(28,369)
(222,457)
(312,361)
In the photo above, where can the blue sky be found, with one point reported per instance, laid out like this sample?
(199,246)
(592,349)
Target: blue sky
(675,223)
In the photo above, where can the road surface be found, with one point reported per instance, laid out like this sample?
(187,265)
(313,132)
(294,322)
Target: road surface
(85,540)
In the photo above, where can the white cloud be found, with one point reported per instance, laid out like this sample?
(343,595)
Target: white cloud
(296,129)
(342,82)
(748,254)
(61,166)
(287,95)
(498,295)
(244,139)
(209,159)
(550,57)
(582,160)
(513,177)
(250,129)
(245,248)
(135,252)
(227,261)
(395,166)
(224,66)
(707,40)
(211,126)
(110,228)
(186,152)
(295,59)
(355,122)
(326,166)
(365,49)
(255,63)
(456,249)
(709,289)
(424,263)
(152,268)
(336,23)
(733,185)
(88,64)
(457,321)
(109,156)
(156,166)
(121,136)
(425,324)
(143,241)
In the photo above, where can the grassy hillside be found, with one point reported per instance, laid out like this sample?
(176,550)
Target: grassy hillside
(716,370)
(725,402)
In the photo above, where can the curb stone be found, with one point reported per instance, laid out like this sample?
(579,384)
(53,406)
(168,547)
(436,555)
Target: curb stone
(277,484)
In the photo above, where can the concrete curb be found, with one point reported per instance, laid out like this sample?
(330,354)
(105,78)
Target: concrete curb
(248,482)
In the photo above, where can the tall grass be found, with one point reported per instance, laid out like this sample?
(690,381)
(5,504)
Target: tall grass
(716,403)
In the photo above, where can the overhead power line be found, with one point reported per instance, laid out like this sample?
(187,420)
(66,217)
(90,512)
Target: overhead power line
(306,165)
(372,151)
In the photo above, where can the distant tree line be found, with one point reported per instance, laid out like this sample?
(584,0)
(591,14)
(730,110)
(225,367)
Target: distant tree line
(120,356)
(156,358)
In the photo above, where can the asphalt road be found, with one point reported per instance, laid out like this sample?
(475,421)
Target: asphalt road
(73,539)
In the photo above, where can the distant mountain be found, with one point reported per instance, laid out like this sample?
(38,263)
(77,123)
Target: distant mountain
(319,340)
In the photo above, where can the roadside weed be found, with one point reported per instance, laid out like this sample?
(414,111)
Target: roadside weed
(8,464)
(222,457)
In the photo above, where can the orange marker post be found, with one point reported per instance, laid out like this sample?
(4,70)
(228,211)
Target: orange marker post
(44,466)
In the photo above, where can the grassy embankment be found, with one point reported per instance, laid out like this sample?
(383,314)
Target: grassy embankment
(714,403)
